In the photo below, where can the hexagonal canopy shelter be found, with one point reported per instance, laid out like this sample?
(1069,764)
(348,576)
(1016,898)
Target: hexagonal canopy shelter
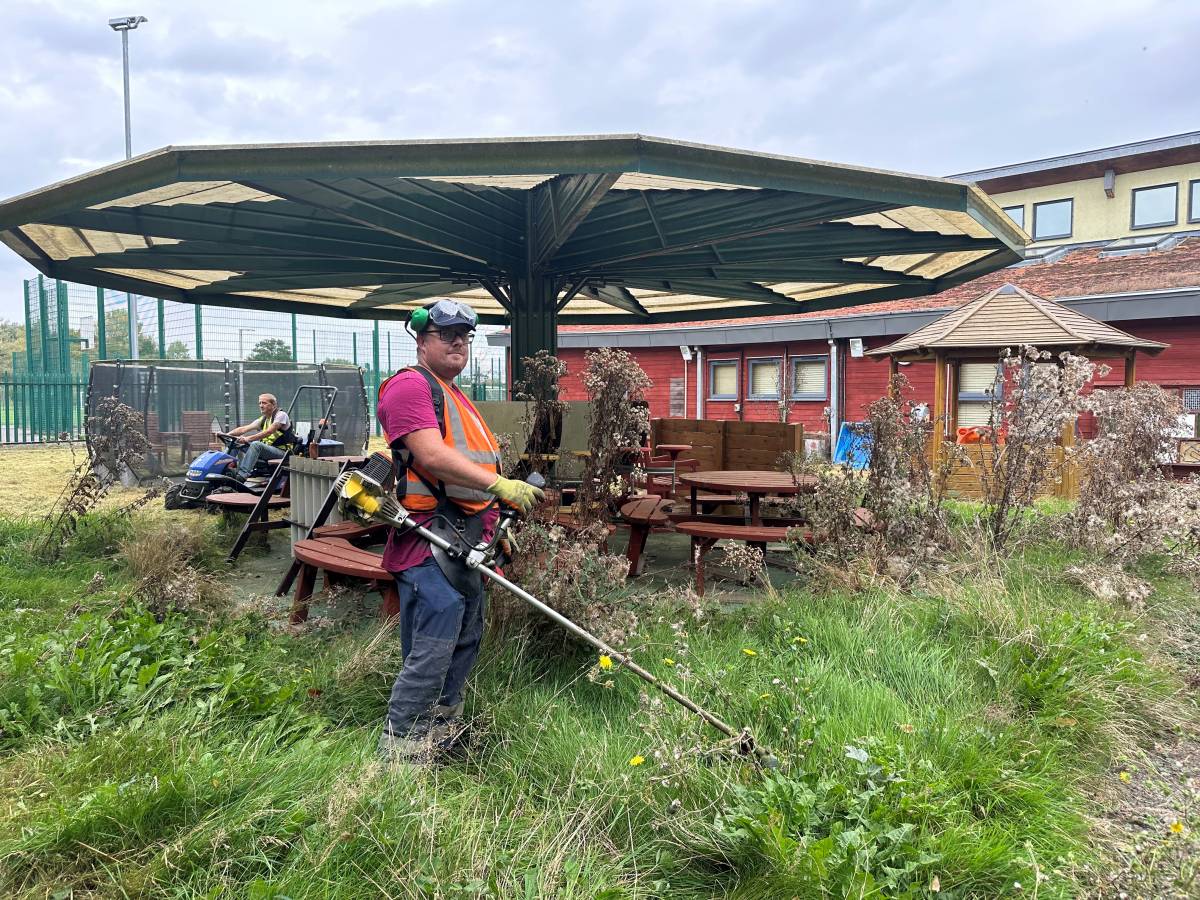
(532,231)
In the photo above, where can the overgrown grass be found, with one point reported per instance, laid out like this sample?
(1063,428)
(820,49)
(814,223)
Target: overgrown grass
(949,739)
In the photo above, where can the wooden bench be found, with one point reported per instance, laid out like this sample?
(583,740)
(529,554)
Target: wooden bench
(705,535)
(642,515)
(337,556)
(357,534)
(244,502)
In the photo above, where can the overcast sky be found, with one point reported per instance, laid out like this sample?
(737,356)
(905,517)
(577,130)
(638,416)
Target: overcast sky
(928,87)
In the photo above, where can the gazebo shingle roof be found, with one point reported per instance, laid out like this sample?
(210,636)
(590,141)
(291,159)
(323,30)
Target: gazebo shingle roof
(1009,316)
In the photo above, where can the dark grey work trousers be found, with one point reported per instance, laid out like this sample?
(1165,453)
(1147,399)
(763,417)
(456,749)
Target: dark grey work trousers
(440,632)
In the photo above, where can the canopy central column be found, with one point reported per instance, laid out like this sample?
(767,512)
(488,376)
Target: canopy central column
(534,320)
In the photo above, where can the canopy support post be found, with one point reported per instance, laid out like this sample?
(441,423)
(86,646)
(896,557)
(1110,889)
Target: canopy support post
(534,321)
(1130,368)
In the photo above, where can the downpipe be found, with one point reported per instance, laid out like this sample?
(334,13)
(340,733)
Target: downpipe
(363,497)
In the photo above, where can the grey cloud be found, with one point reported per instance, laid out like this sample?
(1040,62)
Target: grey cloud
(922,86)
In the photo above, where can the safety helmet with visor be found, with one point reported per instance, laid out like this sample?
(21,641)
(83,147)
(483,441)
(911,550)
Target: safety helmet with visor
(444,314)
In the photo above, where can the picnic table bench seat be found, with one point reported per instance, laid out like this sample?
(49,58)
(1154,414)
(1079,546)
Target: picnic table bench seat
(354,532)
(239,502)
(642,515)
(705,535)
(336,555)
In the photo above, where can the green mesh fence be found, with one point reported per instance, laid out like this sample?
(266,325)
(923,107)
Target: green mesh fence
(185,402)
(70,327)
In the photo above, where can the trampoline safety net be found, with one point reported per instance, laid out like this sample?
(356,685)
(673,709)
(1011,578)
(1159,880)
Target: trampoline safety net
(184,401)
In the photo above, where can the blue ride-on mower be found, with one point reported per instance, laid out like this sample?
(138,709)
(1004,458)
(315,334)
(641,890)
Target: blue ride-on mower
(213,471)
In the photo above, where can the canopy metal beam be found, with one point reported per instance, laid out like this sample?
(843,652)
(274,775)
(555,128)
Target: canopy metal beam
(602,229)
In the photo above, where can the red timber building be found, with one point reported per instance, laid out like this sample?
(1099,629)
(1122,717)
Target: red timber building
(1115,234)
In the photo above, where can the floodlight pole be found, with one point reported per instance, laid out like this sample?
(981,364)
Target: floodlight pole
(124,25)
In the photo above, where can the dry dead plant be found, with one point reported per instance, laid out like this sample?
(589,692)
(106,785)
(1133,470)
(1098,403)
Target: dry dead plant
(1039,396)
(1128,507)
(160,559)
(117,444)
(886,520)
(568,569)
(616,386)
(543,409)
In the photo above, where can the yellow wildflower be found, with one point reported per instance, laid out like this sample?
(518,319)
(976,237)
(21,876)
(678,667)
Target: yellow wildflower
(799,640)
(1125,777)
(637,760)
(605,662)
(1176,827)
(749,652)
(763,696)
(667,661)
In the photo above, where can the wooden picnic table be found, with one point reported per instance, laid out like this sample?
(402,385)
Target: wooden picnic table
(755,485)
(672,450)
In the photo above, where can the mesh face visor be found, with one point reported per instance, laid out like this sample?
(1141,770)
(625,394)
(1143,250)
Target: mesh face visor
(448,313)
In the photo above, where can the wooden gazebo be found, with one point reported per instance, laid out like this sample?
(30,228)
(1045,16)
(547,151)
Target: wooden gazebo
(965,346)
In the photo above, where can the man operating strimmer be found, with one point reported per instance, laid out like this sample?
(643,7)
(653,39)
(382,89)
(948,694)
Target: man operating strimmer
(447,465)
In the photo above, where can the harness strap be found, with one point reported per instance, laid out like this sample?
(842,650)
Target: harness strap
(402,456)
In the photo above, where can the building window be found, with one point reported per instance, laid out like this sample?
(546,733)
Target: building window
(808,377)
(1017,214)
(764,379)
(978,383)
(1155,206)
(722,379)
(1194,201)
(1052,219)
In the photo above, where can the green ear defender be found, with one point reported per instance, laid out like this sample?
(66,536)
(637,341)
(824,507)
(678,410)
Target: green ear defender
(419,320)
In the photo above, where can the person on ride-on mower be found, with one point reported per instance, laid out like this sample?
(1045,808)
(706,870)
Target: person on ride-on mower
(269,436)
(448,470)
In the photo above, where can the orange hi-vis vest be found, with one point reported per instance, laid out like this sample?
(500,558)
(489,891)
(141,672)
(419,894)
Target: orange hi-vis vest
(463,429)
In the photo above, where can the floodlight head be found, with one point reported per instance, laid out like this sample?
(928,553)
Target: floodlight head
(126,23)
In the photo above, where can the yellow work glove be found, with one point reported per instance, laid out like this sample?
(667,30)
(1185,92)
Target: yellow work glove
(516,493)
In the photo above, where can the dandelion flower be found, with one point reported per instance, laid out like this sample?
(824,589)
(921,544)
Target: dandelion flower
(1176,827)
(749,652)
(1125,777)
(606,662)
(764,696)
(636,760)
(799,640)
(667,661)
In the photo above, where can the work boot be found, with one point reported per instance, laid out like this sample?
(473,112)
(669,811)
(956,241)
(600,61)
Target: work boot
(410,753)
(448,728)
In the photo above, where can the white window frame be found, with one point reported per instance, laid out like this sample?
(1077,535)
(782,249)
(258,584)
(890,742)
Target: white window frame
(751,362)
(713,365)
(822,358)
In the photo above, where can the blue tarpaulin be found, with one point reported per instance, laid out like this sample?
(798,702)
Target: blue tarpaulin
(853,445)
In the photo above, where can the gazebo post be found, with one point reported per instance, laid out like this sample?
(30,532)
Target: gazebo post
(1130,368)
(939,406)
(893,371)
(534,321)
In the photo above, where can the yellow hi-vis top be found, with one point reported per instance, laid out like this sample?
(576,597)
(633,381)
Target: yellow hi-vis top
(463,429)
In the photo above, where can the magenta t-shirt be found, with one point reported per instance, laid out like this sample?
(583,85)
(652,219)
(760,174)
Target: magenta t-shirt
(407,406)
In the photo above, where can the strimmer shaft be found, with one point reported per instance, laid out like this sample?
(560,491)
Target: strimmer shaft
(397,516)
